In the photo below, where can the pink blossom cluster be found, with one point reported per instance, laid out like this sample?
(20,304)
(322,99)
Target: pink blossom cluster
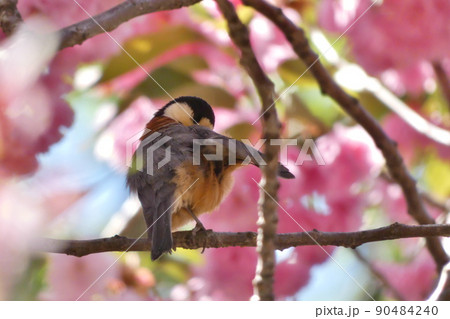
(396,40)
(72,278)
(31,111)
(411,143)
(25,135)
(21,222)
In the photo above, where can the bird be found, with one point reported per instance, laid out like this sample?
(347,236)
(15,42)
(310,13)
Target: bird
(172,188)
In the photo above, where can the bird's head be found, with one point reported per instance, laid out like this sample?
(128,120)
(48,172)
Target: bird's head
(189,110)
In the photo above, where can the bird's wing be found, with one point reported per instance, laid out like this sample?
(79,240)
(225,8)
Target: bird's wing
(234,151)
(151,178)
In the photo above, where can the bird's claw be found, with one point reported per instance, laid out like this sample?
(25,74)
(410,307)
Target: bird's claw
(200,228)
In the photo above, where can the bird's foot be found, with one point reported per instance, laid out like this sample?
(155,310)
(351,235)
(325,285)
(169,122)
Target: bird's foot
(200,228)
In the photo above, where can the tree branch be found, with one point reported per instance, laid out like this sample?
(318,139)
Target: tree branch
(442,291)
(374,86)
(267,212)
(443,80)
(351,105)
(112,18)
(210,239)
(426,197)
(10,17)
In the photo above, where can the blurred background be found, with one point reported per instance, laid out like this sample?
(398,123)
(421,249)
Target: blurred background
(66,117)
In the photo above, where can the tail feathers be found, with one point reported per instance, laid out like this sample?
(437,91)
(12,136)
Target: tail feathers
(161,236)
(157,211)
(161,242)
(158,225)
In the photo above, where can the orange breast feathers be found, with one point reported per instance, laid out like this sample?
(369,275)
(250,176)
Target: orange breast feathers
(204,195)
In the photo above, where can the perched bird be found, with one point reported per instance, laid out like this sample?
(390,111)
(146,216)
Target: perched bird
(182,168)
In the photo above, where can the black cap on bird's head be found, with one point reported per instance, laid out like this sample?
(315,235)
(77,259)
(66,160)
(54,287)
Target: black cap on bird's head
(189,110)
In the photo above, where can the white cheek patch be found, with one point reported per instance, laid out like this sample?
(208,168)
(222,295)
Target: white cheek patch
(180,112)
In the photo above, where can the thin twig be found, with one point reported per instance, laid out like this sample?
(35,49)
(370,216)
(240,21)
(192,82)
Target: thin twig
(351,105)
(267,212)
(442,291)
(383,280)
(114,17)
(210,239)
(10,17)
(443,80)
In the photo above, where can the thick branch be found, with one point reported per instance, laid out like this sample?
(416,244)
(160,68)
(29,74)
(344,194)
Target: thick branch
(111,19)
(210,239)
(10,17)
(268,218)
(388,147)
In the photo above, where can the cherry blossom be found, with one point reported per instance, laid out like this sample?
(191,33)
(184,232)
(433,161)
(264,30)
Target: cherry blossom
(394,39)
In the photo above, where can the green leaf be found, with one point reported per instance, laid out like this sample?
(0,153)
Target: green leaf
(33,280)
(437,175)
(291,70)
(372,104)
(240,131)
(167,78)
(188,64)
(215,95)
(175,77)
(146,47)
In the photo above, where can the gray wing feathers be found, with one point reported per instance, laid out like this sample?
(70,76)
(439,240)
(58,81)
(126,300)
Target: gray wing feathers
(155,190)
(238,150)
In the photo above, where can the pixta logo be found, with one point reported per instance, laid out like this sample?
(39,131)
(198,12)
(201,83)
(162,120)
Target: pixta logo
(149,152)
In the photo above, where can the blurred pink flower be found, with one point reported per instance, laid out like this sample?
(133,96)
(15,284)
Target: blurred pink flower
(70,278)
(42,105)
(227,274)
(63,13)
(268,42)
(226,118)
(410,142)
(118,142)
(399,36)
(21,222)
(294,272)
(413,280)
(31,113)
(389,196)
(329,197)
